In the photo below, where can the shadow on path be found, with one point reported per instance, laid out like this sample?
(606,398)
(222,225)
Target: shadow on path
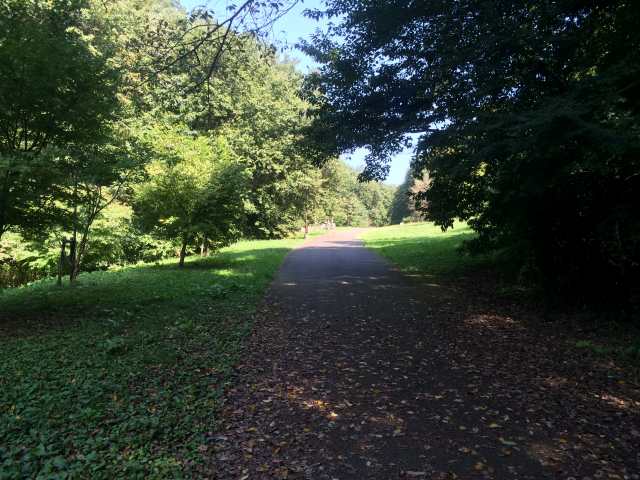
(356,372)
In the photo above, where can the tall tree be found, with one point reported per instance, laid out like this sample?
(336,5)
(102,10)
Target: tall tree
(56,88)
(252,98)
(266,128)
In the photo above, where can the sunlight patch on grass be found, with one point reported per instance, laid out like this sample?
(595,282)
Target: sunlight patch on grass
(423,248)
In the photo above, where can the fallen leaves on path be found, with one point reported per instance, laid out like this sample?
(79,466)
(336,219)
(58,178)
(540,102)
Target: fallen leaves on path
(351,385)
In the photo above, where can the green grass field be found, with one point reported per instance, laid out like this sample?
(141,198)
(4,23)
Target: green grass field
(120,375)
(423,248)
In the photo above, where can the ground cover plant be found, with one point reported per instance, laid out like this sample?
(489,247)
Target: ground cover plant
(120,375)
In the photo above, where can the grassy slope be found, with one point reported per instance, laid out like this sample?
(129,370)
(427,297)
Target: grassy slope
(125,378)
(424,248)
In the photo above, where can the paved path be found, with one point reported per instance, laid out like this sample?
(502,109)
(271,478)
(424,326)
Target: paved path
(352,374)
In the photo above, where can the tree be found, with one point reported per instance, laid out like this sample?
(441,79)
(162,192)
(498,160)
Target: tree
(306,193)
(404,200)
(206,35)
(254,100)
(346,201)
(376,198)
(169,52)
(266,125)
(56,89)
(529,119)
(114,85)
(193,188)
(97,176)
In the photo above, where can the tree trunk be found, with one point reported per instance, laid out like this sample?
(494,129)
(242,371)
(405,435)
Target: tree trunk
(183,252)
(4,200)
(72,258)
(73,246)
(75,269)
(82,246)
(62,260)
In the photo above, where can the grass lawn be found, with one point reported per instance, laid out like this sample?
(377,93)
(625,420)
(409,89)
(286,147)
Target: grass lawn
(120,375)
(423,248)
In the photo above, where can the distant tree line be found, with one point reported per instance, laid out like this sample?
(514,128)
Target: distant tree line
(528,114)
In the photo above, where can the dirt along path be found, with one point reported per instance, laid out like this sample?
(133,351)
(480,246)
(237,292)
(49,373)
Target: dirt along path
(354,372)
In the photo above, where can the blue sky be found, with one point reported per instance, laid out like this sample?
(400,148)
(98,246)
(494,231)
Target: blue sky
(286,33)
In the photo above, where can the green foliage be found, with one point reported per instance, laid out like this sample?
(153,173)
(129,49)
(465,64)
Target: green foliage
(376,198)
(529,119)
(55,86)
(56,90)
(126,380)
(253,100)
(115,241)
(200,166)
(267,133)
(403,208)
(20,264)
(347,201)
(194,188)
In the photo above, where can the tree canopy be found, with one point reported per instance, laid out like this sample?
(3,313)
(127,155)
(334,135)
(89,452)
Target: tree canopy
(528,115)
(191,190)
(56,90)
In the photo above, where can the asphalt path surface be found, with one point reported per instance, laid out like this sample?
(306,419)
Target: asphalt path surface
(352,373)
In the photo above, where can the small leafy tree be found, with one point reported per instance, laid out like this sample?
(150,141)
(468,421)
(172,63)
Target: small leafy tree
(195,188)
(97,176)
